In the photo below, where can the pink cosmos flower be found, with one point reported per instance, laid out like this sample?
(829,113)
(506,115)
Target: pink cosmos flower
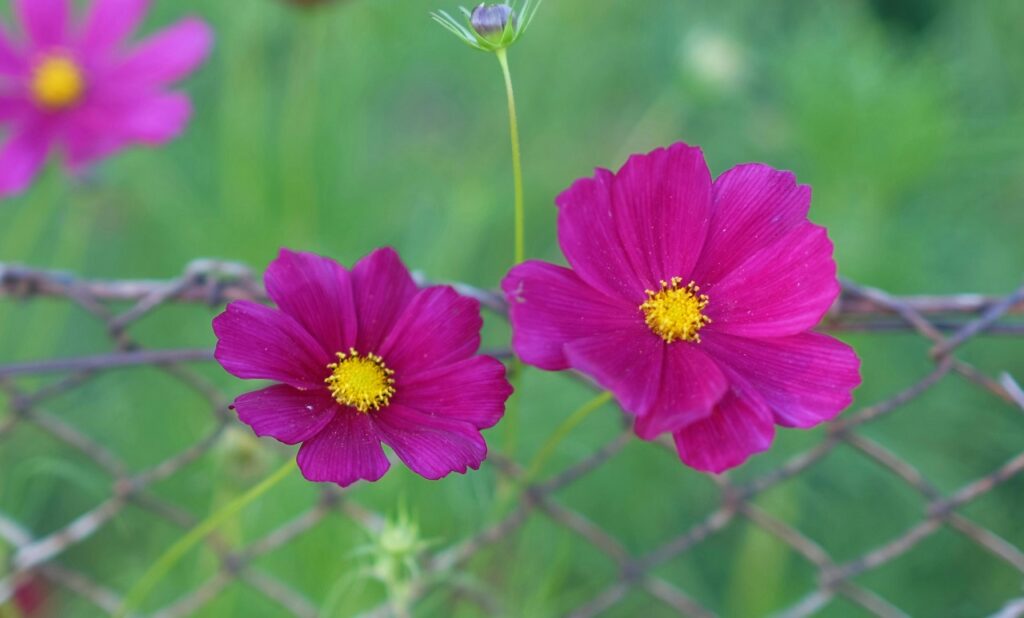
(692,302)
(363,357)
(80,90)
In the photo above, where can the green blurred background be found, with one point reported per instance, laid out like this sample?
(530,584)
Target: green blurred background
(362,123)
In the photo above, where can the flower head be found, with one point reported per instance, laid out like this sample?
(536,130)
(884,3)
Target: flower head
(78,89)
(490,27)
(363,357)
(692,301)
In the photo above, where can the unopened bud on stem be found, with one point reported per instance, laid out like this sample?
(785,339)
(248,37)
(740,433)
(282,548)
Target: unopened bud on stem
(490,20)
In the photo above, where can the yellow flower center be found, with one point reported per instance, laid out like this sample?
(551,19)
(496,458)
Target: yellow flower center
(57,83)
(675,313)
(362,382)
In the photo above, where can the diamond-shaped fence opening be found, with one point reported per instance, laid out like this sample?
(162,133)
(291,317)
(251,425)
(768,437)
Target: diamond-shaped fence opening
(40,555)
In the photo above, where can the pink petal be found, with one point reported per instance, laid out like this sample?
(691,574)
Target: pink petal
(805,379)
(383,289)
(166,56)
(739,427)
(12,108)
(432,446)
(624,233)
(22,157)
(346,451)
(550,306)
(691,385)
(257,342)
(45,21)
(84,146)
(98,129)
(781,290)
(154,120)
(12,63)
(286,414)
(110,22)
(626,362)
(439,327)
(473,390)
(317,292)
(754,206)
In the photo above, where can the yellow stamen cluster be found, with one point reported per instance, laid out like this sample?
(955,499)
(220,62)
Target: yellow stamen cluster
(361,382)
(57,83)
(675,313)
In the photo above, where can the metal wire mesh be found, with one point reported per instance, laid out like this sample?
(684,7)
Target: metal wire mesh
(948,322)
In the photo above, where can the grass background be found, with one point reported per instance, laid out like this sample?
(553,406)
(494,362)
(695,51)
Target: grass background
(362,124)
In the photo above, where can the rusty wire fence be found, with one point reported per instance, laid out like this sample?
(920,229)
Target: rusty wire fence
(947,322)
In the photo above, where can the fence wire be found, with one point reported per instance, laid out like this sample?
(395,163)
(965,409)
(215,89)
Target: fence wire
(947,322)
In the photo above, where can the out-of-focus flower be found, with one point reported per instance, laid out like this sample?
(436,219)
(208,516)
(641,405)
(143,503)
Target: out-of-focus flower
(714,58)
(32,597)
(308,3)
(692,302)
(363,357)
(80,90)
(490,27)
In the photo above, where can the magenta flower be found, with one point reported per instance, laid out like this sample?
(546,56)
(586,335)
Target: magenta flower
(363,357)
(80,90)
(692,302)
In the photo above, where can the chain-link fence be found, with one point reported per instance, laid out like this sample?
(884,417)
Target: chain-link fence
(947,322)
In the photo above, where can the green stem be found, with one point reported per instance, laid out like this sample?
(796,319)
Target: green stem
(517,163)
(563,430)
(519,226)
(176,552)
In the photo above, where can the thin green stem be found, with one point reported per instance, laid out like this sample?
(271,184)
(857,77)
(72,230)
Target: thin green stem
(517,163)
(563,430)
(519,226)
(176,552)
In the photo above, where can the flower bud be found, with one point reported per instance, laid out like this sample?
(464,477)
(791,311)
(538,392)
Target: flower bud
(491,20)
(491,27)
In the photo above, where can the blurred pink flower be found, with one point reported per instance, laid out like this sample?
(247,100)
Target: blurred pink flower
(692,302)
(363,357)
(81,90)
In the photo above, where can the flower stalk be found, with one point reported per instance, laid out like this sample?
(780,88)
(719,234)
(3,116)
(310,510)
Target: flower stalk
(156,573)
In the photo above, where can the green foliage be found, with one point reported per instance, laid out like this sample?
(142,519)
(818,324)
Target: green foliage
(362,124)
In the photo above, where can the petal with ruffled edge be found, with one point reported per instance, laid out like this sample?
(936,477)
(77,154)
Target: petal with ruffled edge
(739,427)
(754,206)
(109,23)
(691,385)
(257,342)
(805,379)
(45,21)
(286,414)
(781,290)
(438,327)
(317,292)
(473,390)
(432,446)
(165,57)
(22,157)
(383,289)
(346,451)
(629,363)
(623,233)
(550,306)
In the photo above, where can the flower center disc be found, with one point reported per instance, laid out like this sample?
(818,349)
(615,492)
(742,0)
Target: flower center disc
(57,83)
(675,313)
(362,382)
